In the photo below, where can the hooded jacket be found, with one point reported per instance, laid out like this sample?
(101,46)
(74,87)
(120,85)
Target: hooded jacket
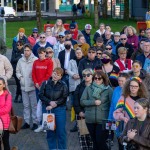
(24,70)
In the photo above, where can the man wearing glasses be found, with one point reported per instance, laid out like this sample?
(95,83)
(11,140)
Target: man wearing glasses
(91,61)
(59,46)
(123,40)
(42,43)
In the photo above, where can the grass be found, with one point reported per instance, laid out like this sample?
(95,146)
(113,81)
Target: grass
(12,27)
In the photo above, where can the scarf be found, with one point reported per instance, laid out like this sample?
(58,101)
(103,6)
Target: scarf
(98,89)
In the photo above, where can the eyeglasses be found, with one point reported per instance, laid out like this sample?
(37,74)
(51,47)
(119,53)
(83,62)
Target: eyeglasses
(108,48)
(42,37)
(134,86)
(100,78)
(86,75)
(122,53)
(34,32)
(123,39)
(99,53)
(50,52)
(135,66)
(91,52)
(61,37)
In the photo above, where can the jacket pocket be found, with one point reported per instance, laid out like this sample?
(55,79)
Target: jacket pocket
(22,81)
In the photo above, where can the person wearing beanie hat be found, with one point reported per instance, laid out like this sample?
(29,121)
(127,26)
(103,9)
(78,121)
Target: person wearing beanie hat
(34,37)
(86,33)
(21,30)
(20,37)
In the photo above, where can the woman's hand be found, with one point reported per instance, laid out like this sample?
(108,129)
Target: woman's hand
(131,134)
(53,104)
(49,107)
(97,102)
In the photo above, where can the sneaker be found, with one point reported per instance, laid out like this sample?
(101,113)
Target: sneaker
(44,131)
(35,126)
(25,126)
(39,129)
(74,129)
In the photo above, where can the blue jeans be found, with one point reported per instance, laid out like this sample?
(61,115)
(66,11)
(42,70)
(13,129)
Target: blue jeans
(37,94)
(57,139)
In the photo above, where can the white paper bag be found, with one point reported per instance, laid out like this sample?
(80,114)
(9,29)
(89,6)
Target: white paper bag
(48,122)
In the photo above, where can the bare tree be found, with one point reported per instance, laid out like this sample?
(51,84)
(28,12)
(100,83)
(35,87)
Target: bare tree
(38,14)
(126,10)
(96,18)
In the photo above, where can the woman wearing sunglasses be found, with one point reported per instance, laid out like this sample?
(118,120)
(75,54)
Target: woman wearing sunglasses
(96,100)
(85,140)
(137,131)
(50,55)
(16,55)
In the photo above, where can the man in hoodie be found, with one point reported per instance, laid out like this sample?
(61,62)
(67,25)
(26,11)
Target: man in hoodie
(41,71)
(23,73)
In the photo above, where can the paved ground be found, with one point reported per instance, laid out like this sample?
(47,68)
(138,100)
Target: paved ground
(28,140)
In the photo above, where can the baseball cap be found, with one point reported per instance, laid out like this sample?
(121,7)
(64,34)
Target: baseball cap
(117,33)
(34,30)
(88,27)
(72,26)
(61,34)
(67,32)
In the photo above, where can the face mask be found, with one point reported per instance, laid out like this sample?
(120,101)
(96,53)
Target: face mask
(105,61)
(67,46)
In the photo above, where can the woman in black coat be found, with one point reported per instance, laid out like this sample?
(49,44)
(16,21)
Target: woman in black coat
(16,55)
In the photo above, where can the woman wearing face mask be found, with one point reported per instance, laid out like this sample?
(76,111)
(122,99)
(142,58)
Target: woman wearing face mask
(137,131)
(96,100)
(110,69)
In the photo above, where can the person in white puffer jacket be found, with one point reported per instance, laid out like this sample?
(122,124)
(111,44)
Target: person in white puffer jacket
(24,74)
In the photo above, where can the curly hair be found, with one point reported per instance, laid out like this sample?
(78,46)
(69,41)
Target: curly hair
(142,92)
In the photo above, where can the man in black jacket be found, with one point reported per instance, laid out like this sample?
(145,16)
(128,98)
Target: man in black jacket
(130,50)
(64,57)
(91,61)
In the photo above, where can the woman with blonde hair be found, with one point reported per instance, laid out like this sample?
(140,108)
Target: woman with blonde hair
(58,27)
(50,54)
(132,37)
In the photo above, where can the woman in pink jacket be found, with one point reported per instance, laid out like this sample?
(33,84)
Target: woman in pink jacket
(5,108)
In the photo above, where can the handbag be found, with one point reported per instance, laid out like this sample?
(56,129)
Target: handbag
(131,146)
(48,122)
(15,123)
(82,127)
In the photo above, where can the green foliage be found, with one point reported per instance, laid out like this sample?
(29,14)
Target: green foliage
(12,27)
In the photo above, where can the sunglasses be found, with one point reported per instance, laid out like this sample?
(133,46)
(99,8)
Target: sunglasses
(86,75)
(135,66)
(91,52)
(19,45)
(50,52)
(34,32)
(123,39)
(61,37)
(108,48)
(100,78)
(42,37)
(99,53)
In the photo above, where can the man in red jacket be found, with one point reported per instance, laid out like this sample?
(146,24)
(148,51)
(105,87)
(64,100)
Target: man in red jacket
(41,71)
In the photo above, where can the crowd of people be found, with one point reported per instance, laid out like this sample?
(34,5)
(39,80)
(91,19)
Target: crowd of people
(106,80)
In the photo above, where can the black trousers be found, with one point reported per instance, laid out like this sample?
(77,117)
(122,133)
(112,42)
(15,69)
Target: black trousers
(98,135)
(5,140)
(18,89)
